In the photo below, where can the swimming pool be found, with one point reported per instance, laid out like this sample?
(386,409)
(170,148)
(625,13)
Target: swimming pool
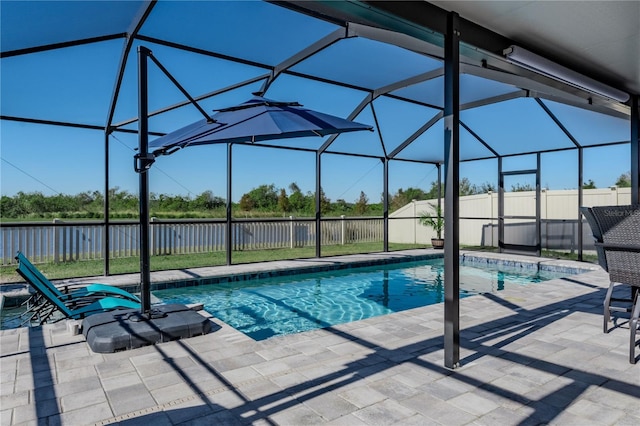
(268,307)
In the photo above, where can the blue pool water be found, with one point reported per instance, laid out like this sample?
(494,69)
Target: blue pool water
(290,304)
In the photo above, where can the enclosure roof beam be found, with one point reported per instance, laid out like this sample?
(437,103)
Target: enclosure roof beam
(269,67)
(357,110)
(197,99)
(134,28)
(396,38)
(385,90)
(429,75)
(375,119)
(479,139)
(305,53)
(61,45)
(68,124)
(558,123)
(495,99)
(622,112)
(417,134)
(538,89)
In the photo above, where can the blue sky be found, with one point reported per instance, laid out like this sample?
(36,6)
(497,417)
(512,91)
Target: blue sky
(76,84)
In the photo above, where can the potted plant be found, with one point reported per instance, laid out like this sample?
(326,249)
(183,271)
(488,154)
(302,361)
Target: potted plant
(435,221)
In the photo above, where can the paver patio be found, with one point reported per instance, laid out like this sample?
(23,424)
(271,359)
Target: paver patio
(535,354)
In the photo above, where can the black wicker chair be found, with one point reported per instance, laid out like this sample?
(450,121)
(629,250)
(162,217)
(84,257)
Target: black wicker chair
(597,235)
(619,227)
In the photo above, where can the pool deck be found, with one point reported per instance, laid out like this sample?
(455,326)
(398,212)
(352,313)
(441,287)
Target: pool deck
(534,355)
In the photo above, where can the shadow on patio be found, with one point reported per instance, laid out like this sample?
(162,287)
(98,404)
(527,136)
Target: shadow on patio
(536,387)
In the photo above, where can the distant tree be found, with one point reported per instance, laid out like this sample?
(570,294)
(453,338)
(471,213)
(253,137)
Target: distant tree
(624,181)
(433,192)
(264,197)
(325,202)
(485,188)
(283,201)
(293,187)
(122,200)
(518,187)
(466,188)
(297,200)
(341,206)
(207,201)
(36,202)
(590,184)
(12,207)
(310,203)
(173,203)
(361,205)
(404,196)
(246,203)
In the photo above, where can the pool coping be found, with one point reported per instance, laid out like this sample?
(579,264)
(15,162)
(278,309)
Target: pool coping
(162,280)
(536,264)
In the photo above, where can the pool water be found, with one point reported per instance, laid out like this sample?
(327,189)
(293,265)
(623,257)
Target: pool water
(269,307)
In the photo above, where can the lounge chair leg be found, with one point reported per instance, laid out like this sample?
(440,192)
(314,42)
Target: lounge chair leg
(633,327)
(607,310)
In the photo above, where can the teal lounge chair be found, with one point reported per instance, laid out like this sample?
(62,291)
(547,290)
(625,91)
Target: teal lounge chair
(54,303)
(79,296)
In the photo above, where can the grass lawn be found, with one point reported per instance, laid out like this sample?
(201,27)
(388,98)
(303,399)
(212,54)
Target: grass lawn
(88,268)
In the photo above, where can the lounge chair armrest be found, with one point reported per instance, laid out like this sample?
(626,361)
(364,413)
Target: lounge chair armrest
(619,247)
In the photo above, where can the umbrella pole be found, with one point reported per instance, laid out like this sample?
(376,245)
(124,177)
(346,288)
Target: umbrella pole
(143,163)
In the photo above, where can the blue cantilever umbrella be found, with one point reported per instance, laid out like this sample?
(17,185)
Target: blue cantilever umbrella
(258,119)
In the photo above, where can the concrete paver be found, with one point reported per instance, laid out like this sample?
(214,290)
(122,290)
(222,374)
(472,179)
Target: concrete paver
(530,355)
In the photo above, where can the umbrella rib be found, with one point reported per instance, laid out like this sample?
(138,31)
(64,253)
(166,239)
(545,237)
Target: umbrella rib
(219,129)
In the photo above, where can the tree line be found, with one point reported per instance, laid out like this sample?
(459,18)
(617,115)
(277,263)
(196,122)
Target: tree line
(262,201)
(623,181)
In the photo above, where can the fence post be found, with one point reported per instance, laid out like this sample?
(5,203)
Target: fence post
(56,241)
(490,199)
(291,236)
(152,237)
(415,225)
(342,229)
(544,212)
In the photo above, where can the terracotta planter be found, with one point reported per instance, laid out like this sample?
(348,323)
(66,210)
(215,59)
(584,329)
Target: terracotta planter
(437,243)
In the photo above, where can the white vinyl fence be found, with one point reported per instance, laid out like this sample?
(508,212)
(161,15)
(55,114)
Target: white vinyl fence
(478,224)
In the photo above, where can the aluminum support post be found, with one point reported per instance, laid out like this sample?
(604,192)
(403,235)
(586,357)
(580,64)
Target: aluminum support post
(635,162)
(439,168)
(580,200)
(106,239)
(318,206)
(635,149)
(143,169)
(538,208)
(385,204)
(500,207)
(452,192)
(229,228)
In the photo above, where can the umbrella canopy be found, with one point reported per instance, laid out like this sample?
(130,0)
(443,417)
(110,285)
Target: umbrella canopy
(258,119)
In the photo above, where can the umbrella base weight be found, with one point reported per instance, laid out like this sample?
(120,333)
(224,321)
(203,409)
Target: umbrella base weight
(123,329)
